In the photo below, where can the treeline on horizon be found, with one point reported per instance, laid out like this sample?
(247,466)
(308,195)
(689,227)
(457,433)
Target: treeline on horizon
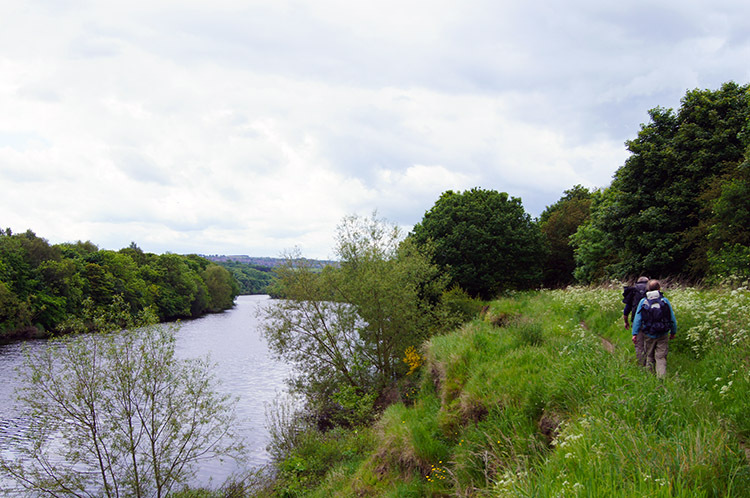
(251,278)
(48,288)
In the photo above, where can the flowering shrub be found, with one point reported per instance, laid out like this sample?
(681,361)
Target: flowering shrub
(413,359)
(718,317)
(585,299)
(706,318)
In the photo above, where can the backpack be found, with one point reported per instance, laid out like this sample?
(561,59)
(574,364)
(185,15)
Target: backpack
(632,295)
(656,316)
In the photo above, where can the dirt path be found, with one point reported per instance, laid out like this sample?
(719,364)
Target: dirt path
(606,343)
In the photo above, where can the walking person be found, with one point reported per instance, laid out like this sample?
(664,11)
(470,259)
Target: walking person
(631,296)
(654,317)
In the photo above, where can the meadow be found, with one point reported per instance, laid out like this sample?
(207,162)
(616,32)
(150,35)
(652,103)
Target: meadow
(541,396)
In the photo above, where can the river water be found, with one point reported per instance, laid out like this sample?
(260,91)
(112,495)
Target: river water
(242,361)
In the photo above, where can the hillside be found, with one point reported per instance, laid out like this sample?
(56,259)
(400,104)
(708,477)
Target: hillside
(260,261)
(528,401)
(255,274)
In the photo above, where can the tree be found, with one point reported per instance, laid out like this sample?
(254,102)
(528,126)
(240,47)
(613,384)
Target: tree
(557,223)
(250,278)
(728,237)
(124,277)
(484,240)
(657,219)
(176,285)
(593,248)
(14,314)
(118,414)
(345,328)
(222,287)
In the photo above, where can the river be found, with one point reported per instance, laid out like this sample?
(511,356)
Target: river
(244,366)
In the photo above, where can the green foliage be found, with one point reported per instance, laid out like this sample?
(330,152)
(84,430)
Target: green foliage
(593,246)
(484,240)
(557,223)
(731,209)
(728,255)
(528,402)
(303,470)
(125,416)
(730,264)
(221,286)
(177,285)
(345,329)
(671,203)
(43,287)
(14,314)
(357,409)
(459,307)
(251,279)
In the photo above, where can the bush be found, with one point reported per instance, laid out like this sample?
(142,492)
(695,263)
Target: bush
(123,413)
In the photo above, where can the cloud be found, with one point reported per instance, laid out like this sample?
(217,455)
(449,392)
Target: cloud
(254,127)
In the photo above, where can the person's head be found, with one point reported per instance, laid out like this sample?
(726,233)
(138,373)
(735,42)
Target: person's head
(653,285)
(642,279)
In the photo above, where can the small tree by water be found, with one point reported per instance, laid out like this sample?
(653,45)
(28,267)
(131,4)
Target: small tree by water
(345,328)
(118,415)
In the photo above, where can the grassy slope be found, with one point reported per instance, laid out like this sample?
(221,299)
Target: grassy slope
(528,402)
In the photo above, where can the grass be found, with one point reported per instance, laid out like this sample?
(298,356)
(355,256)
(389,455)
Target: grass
(527,402)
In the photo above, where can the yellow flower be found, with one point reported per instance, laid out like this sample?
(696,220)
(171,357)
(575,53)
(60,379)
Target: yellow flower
(413,359)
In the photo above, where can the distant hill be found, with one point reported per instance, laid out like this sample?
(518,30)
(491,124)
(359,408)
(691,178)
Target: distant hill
(261,261)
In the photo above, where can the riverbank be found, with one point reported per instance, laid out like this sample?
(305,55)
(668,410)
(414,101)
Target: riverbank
(526,401)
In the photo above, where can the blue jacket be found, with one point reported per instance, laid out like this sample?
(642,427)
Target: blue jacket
(637,319)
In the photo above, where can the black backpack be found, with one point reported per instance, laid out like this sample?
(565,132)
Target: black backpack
(656,316)
(633,295)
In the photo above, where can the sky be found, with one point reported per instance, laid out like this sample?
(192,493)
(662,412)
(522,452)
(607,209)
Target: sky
(253,127)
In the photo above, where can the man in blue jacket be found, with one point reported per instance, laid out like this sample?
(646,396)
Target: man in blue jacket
(654,317)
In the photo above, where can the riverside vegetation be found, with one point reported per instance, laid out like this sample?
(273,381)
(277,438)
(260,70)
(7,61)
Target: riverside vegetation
(526,400)
(49,288)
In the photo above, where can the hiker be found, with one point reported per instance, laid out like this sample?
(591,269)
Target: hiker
(654,317)
(631,296)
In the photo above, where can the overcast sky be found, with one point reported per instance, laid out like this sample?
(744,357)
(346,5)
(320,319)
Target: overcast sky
(253,127)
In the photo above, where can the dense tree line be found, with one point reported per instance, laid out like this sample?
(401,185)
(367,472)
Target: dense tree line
(252,279)
(47,288)
(679,207)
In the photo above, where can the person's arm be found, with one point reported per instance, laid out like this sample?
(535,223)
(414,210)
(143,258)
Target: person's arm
(637,321)
(637,318)
(673,320)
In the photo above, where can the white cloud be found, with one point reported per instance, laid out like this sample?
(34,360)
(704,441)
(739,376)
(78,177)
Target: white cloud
(236,127)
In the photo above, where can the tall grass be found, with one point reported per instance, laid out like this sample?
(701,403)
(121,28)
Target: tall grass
(526,401)
(530,403)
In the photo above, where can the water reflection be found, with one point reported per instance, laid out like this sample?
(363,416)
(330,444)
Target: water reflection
(243,365)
